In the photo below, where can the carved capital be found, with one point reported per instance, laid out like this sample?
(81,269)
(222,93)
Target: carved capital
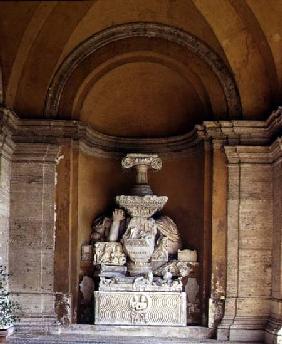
(136,159)
(142,162)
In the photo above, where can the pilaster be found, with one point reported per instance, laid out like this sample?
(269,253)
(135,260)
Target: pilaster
(6,151)
(249,243)
(32,229)
(218,233)
(273,332)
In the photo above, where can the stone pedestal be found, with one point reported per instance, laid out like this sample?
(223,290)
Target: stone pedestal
(140,308)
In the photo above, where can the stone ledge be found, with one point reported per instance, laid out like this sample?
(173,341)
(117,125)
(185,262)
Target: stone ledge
(195,332)
(91,339)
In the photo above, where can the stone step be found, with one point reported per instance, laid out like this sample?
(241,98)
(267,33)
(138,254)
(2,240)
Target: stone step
(93,339)
(112,334)
(195,332)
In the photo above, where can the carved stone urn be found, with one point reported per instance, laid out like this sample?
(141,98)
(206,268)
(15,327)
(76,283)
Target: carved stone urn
(139,238)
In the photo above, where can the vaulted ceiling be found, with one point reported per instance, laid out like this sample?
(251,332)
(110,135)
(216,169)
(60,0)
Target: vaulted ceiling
(142,68)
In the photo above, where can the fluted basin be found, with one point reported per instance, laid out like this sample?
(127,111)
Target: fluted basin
(141,206)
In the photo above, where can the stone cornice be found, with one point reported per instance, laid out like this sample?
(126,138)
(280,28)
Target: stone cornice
(255,154)
(244,132)
(248,154)
(230,134)
(90,141)
(36,152)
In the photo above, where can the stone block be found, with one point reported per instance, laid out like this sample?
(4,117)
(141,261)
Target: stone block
(253,307)
(256,182)
(254,272)
(256,219)
(47,270)
(36,304)
(26,233)
(233,182)
(246,335)
(25,268)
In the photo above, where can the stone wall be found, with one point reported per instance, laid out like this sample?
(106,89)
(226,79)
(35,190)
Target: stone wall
(5,173)
(32,228)
(249,244)
(273,331)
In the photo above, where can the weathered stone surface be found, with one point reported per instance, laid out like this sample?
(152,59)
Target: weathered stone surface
(110,253)
(140,308)
(5,174)
(32,236)
(249,254)
(254,273)
(100,334)
(273,330)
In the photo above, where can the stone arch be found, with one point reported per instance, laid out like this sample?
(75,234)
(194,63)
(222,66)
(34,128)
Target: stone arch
(148,30)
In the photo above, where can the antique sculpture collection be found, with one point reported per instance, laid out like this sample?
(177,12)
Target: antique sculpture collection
(141,271)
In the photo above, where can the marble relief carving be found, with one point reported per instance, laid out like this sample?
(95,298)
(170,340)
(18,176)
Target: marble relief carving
(109,253)
(143,275)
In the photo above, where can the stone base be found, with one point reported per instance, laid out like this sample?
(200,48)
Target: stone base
(140,308)
(36,324)
(4,332)
(191,332)
(247,329)
(102,334)
(273,332)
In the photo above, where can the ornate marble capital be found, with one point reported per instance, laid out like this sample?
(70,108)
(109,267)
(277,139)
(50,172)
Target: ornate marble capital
(142,162)
(137,159)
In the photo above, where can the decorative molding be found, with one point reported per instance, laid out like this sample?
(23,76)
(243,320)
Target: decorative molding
(36,152)
(149,30)
(7,127)
(255,154)
(248,154)
(89,140)
(245,141)
(243,132)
